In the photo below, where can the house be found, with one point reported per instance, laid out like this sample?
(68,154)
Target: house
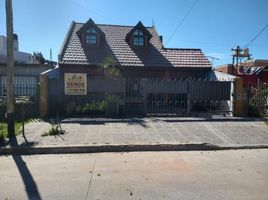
(253,72)
(138,52)
(155,79)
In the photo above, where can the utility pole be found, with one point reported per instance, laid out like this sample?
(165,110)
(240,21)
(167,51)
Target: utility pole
(212,59)
(236,55)
(10,66)
(50,52)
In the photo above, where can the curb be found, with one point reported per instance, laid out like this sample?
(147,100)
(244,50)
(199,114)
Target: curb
(18,150)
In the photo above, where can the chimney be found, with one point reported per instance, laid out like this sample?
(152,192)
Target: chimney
(161,38)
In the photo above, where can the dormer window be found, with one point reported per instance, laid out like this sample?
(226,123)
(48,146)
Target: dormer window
(138,38)
(91,36)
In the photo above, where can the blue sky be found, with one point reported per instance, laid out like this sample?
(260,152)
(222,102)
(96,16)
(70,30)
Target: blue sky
(215,26)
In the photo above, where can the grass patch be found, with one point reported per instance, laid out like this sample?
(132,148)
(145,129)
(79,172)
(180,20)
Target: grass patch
(54,130)
(266,122)
(4,133)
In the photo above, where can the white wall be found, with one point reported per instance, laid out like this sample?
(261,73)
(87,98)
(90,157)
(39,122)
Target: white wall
(20,57)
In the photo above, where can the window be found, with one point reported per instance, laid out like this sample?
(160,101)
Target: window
(91,36)
(138,38)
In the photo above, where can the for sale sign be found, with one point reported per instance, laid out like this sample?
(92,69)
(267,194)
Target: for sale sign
(75,83)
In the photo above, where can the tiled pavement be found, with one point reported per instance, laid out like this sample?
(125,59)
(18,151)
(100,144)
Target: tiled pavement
(224,132)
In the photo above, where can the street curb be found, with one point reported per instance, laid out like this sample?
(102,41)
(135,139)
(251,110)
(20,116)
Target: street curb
(19,150)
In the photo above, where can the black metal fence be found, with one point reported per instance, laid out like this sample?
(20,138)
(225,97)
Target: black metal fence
(148,96)
(23,86)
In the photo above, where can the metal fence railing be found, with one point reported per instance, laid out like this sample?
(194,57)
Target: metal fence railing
(23,86)
(148,96)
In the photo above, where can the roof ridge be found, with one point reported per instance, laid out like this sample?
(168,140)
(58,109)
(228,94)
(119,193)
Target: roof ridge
(195,49)
(114,25)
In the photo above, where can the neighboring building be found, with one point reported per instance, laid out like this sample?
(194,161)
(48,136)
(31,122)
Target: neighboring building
(137,50)
(253,72)
(19,57)
(27,69)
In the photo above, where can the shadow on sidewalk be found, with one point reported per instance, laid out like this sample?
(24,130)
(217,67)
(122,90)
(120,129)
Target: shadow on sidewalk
(103,121)
(222,119)
(29,183)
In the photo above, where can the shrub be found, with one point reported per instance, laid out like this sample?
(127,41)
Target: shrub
(114,99)
(102,106)
(258,103)
(78,109)
(97,108)
(54,130)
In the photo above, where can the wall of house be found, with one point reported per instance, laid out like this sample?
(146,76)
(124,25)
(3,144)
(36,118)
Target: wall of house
(139,72)
(91,71)
(227,69)
(164,73)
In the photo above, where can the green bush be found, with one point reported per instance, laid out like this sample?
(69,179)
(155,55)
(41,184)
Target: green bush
(114,99)
(98,108)
(102,106)
(258,103)
(78,109)
(253,111)
(54,130)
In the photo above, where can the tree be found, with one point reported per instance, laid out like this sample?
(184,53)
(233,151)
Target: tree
(39,56)
(110,69)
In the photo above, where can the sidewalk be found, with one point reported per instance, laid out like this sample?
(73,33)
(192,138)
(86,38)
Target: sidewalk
(84,132)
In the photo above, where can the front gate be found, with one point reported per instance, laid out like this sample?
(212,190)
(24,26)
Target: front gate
(177,96)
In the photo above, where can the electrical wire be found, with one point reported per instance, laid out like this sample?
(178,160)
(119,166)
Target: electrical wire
(181,22)
(261,31)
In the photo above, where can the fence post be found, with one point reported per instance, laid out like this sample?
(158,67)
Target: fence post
(238,101)
(43,99)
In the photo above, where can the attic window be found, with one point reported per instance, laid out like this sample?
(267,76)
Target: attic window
(138,38)
(91,36)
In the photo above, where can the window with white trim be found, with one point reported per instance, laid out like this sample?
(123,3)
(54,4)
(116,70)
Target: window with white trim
(138,38)
(91,36)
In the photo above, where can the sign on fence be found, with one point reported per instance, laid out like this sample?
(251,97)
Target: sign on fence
(75,83)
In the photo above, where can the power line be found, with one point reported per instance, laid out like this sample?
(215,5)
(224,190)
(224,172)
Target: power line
(257,35)
(182,20)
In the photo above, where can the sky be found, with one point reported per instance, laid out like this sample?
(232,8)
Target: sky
(214,26)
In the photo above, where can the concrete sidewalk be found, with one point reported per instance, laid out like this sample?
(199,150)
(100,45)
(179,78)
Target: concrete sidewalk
(222,132)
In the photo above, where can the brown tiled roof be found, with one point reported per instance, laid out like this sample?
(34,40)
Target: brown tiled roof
(115,46)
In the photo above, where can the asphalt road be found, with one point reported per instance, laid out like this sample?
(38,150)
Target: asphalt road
(240,174)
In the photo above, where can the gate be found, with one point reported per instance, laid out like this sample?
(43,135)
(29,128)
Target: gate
(147,96)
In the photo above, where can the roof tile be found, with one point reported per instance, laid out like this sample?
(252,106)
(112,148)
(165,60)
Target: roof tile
(115,46)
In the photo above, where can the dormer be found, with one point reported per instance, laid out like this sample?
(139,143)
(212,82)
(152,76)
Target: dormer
(90,34)
(139,36)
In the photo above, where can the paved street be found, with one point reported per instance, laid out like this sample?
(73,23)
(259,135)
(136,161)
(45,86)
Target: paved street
(223,132)
(225,175)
